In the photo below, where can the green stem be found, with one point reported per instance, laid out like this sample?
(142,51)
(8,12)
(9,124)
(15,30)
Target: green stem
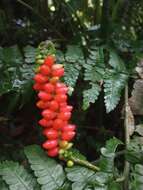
(98,12)
(127,141)
(85,164)
(116,8)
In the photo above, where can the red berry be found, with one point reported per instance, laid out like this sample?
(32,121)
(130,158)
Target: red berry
(45,70)
(64,115)
(43,122)
(49,123)
(54,80)
(50,144)
(63,105)
(66,108)
(62,90)
(57,66)
(69,127)
(50,134)
(58,124)
(60,85)
(53,105)
(48,114)
(40,78)
(44,96)
(38,86)
(49,60)
(42,105)
(53,152)
(58,72)
(48,88)
(61,98)
(68,135)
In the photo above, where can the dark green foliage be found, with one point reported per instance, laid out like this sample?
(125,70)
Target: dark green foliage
(17,68)
(50,175)
(114,83)
(137,177)
(17,177)
(90,95)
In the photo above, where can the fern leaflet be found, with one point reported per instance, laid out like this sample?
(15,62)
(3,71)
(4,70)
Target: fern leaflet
(50,175)
(17,177)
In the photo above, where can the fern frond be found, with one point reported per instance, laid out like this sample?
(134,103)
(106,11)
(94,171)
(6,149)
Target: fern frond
(94,67)
(3,185)
(137,177)
(17,177)
(90,95)
(114,83)
(116,62)
(71,74)
(29,54)
(50,175)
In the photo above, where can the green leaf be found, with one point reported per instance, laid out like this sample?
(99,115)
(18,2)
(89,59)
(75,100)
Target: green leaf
(94,67)
(90,95)
(114,186)
(134,153)
(71,73)
(84,178)
(79,176)
(66,186)
(108,154)
(73,54)
(12,56)
(100,188)
(114,83)
(15,73)
(3,185)
(29,53)
(112,144)
(137,177)
(17,177)
(50,175)
(116,62)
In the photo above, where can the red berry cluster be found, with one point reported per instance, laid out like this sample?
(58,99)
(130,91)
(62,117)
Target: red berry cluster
(56,112)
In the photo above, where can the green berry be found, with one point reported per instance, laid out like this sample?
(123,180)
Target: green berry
(70,163)
(40,61)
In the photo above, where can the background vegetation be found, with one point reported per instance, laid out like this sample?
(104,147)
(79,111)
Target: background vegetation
(100,43)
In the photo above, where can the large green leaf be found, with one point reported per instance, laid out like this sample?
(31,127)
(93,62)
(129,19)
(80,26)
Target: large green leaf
(17,177)
(114,83)
(29,54)
(50,175)
(16,74)
(137,178)
(71,73)
(90,95)
(108,154)
(12,56)
(73,54)
(3,185)
(94,67)
(79,176)
(116,62)
(73,60)
(83,177)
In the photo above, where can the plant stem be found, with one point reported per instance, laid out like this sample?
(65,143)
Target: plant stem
(85,163)
(98,12)
(116,8)
(127,141)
